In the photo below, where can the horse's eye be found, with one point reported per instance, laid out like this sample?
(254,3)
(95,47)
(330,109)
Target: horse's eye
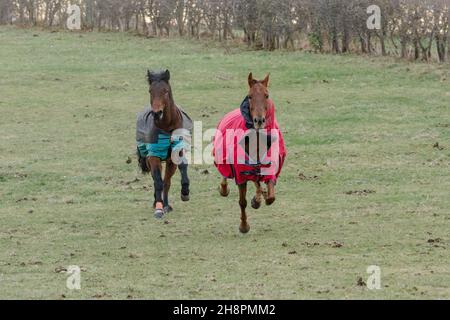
(267,96)
(250,97)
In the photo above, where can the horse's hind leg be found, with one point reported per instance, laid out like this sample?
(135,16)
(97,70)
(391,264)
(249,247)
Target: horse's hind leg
(171,168)
(224,189)
(257,199)
(244,227)
(183,167)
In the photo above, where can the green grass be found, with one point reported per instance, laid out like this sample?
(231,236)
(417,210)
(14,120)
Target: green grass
(68,103)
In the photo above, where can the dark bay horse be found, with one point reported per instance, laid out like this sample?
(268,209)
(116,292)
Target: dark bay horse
(158,143)
(252,127)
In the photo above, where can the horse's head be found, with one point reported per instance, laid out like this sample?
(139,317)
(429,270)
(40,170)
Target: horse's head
(258,96)
(160,92)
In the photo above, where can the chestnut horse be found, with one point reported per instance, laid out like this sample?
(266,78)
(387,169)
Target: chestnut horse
(255,117)
(162,120)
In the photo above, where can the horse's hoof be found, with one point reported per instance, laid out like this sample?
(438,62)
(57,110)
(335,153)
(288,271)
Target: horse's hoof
(159,213)
(185,192)
(270,201)
(168,209)
(224,193)
(255,204)
(244,228)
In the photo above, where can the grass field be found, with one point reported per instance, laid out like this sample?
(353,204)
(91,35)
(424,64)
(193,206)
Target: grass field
(364,183)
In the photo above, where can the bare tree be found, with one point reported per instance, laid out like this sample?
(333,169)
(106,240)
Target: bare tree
(410,29)
(6,10)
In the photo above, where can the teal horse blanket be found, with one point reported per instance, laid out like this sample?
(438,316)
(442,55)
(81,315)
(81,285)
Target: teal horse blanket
(154,142)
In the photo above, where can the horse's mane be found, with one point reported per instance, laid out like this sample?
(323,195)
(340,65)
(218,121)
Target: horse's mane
(161,75)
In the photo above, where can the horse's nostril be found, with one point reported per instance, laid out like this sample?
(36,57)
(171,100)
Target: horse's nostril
(157,114)
(259,121)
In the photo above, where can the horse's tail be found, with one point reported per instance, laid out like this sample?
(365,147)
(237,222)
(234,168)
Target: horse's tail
(142,161)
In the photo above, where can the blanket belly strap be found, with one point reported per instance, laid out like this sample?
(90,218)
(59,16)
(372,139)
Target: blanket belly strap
(163,147)
(160,149)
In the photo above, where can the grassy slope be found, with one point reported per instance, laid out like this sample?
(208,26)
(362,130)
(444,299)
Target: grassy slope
(68,105)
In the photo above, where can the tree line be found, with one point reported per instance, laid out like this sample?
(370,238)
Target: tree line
(410,29)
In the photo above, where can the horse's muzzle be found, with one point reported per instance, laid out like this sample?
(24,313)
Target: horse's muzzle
(259,122)
(157,115)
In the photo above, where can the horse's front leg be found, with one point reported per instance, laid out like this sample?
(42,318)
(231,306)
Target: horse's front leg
(224,189)
(257,199)
(155,166)
(244,227)
(270,198)
(171,168)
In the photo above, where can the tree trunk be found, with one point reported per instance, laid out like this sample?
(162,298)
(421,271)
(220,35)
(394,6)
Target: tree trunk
(382,37)
(180,17)
(335,41)
(416,50)
(404,52)
(5,12)
(90,14)
(363,44)
(346,39)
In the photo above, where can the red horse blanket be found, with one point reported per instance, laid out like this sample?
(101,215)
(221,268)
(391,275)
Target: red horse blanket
(245,154)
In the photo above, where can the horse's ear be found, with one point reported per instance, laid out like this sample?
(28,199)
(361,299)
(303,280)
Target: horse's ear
(251,81)
(167,75)
(265,82)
